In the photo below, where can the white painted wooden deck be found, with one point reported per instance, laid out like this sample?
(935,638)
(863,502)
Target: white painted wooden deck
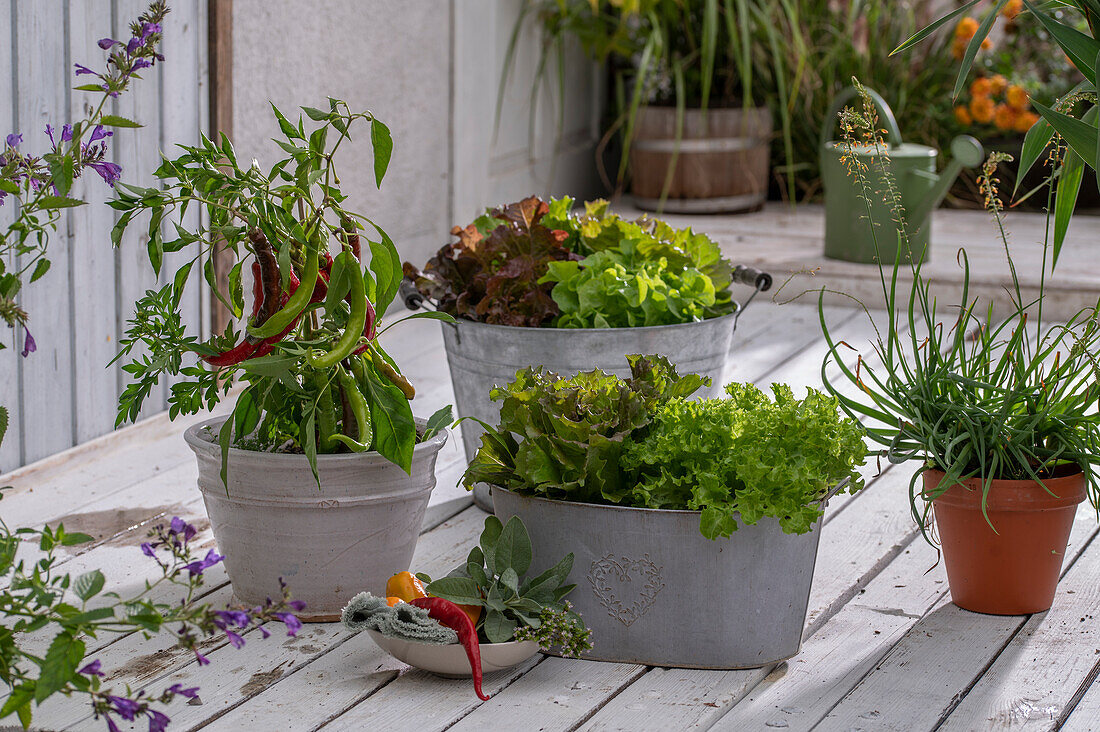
(884,648)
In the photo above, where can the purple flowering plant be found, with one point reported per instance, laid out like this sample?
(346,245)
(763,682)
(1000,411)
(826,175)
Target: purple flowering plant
(41,184)
(74,608)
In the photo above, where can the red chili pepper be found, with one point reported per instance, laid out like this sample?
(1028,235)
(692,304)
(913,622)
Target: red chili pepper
(368,330)
(451,615)
(233,356)
(321,288)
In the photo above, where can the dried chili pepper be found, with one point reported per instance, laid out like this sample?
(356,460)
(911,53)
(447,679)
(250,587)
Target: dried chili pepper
(451,615)
(294,304)
(267,267)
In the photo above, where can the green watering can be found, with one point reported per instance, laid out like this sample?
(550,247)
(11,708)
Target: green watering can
(848,233)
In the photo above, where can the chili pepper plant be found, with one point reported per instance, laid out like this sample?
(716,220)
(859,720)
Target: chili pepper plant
(313,377)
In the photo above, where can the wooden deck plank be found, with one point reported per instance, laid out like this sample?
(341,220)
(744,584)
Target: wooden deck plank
(235,675)
(931,668)
(1046,666)
(1086,715)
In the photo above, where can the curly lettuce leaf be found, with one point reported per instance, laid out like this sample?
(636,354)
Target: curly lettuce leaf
(746,457)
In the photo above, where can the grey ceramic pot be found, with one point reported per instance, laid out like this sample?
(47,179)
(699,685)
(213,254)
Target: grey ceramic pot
(352,534)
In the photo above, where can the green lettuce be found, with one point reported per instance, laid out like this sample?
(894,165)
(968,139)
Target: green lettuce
(563,437)
(746,457)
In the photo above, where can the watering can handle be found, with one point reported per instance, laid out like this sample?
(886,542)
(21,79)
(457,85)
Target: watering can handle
(410,295)
(886,115)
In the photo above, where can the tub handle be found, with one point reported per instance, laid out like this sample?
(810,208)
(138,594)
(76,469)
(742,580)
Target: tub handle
(410,295)
(824,500)
(761,282)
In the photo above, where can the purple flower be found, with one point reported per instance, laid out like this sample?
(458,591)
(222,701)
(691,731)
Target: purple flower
(183,529)
(111,726)
(264,633)
(80,70)
(126,708)
(148,550)
(13,140)
(234,617)
(203,660)
(29,346)
(106,43)
(293,624)
(92,669)
(191,693)
(141,63)
(67,133)
(148,29)
(296,605)
(200,565)
(158,722)
(49,131)
(236,640)
(99,134)
(133,45)
(110,172)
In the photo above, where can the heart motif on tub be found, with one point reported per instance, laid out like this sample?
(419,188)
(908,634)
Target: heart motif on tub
(612,578)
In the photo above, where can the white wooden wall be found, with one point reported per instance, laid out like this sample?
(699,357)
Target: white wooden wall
(64,393)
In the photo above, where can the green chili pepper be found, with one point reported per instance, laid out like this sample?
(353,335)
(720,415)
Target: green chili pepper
(357,320)
(359,408)
(297,301)
(326,417)
(385,368)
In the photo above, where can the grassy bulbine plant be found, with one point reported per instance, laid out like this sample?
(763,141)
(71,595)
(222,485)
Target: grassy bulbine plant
(970,392)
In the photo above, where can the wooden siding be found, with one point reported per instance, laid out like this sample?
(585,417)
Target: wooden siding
(65,393)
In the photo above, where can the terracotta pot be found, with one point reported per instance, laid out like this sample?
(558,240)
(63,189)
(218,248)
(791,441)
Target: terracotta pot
(1013,570)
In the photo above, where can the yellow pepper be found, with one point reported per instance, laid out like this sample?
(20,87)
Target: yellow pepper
(405,586)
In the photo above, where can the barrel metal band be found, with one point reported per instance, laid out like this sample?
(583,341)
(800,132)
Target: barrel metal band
(700,145)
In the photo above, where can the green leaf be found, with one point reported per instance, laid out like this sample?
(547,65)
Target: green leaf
(383,148)
(75,538)
(510,579)
(20,700)
(59,665)
(513,548)
(315,114)
(40,269)
(461,590)
(438,421)
(488,541)
(55,202)
(1081,49)
(554,577)
(8,186)
(394,427)
(112,120)
(1035,142)
(1080,136)
(1065,200)
(179,282)
(385,263)
(498,627)
(89,584)
(975,44)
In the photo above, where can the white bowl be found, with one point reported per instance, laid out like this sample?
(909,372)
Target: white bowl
(451,660)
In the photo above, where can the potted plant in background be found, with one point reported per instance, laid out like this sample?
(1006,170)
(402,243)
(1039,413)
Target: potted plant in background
(533,283)
(999,408)
(695,524)
(321,451)
(696,135)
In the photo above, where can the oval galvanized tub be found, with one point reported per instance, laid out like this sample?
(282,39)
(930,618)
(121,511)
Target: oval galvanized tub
(353,534)
(654,591)
(482,356)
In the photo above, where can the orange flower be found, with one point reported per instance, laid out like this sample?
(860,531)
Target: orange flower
(1004,117)
(982,87)
(958,48)
(966,28)
(986,44)
(1016,97)
(1024,121)
(998,83)
(962,116)
(1012,9)
(981,109)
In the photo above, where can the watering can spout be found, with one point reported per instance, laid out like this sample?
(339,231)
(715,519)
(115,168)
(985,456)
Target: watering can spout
(965,152)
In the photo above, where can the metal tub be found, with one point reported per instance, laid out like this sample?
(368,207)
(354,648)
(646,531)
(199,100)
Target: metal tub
(655,591)
(483,356)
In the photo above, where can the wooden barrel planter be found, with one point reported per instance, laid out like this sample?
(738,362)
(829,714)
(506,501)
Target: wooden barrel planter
(722,166)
